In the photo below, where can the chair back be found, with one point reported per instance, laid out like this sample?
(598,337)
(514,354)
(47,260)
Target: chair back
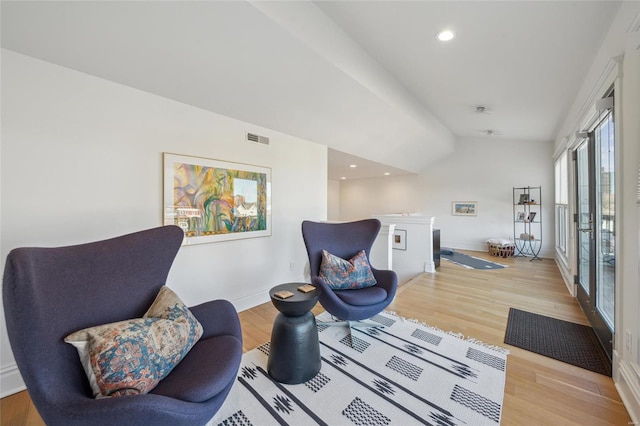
(344,239)
(49,293)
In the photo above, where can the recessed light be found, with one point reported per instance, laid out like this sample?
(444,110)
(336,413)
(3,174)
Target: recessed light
(445,35)
(353,166)
(343,178)
(387,173)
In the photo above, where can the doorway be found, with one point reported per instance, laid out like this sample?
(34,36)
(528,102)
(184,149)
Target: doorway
(595,225)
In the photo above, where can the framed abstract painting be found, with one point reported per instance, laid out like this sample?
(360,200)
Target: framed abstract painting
(214,200)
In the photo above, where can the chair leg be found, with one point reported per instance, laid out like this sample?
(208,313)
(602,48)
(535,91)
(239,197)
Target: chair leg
(351,325)
(365,324)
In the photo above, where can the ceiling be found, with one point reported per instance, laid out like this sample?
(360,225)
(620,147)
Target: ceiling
(367,79)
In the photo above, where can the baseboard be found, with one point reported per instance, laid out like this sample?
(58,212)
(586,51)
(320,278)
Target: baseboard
(10,381)
(465,245)
(628,386)
(252,300)
(567,278)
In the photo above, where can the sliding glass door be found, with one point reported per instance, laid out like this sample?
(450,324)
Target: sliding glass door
(595,223)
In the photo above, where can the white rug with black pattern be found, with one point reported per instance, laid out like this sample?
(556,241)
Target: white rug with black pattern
(404,374)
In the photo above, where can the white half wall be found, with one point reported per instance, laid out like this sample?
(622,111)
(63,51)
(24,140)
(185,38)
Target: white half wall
(482,170)
(333,200)
(82,161)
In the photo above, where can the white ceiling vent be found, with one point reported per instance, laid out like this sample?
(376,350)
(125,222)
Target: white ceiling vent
(252,137)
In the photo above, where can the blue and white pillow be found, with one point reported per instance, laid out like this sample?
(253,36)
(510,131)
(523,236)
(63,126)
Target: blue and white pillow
(342,274)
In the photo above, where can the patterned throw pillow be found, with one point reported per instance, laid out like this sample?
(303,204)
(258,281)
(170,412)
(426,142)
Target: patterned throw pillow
(341,274)
(131,357)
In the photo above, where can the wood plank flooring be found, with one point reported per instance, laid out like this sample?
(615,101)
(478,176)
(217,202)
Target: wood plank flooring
(538,390)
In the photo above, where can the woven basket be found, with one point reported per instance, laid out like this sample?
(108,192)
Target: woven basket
(501,250)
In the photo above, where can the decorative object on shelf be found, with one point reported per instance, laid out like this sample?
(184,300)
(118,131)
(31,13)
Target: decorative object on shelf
(527,223)
(400,239)
(213,200)
(465,208)
(524,199)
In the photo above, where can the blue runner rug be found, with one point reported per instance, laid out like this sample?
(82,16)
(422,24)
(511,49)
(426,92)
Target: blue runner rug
(404,374)
(469,261)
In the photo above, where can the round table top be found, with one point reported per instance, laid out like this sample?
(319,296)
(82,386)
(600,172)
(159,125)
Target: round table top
(298,304)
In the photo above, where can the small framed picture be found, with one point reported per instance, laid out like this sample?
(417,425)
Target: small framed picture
(464,208)
(521,216)
(524,199)
(399,239)
(532,216)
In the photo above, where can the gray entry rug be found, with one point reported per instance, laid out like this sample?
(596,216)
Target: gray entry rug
(469,262)
(404,374)
(575,344)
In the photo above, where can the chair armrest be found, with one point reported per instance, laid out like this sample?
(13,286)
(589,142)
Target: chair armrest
(218,317)
(386,279)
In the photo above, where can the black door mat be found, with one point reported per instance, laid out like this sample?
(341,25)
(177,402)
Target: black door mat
(568,342)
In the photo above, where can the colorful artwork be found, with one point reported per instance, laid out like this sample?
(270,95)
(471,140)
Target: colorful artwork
(212,200)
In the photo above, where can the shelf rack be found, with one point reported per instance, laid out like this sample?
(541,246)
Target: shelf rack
(527,221)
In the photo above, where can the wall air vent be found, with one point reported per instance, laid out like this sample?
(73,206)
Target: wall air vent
(252,137)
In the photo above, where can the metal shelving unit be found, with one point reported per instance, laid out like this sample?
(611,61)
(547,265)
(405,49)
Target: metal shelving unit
(527,221)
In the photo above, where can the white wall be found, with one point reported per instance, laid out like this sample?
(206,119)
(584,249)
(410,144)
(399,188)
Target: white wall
(333,200)
(482,170)
(82,161)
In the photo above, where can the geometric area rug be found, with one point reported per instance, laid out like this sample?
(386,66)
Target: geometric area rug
(404,374)
(572,343)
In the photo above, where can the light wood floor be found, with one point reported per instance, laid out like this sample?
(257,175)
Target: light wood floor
(538,390)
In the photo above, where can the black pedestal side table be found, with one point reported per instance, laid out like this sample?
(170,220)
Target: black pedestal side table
(294,353)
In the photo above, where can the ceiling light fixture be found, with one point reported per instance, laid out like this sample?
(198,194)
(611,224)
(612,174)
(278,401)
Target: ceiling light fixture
(387,173)
(353,166)
(343,178)
(445,35)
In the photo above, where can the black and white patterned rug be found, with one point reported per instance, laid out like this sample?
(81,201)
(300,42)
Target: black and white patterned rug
(404,374)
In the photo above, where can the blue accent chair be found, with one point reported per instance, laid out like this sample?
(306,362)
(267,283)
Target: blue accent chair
(345,240)
(49,293)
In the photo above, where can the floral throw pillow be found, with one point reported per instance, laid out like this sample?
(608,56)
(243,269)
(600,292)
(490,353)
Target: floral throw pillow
(131,357)
(342,274)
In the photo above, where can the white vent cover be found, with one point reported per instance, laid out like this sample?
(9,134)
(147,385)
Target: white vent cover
(252,137)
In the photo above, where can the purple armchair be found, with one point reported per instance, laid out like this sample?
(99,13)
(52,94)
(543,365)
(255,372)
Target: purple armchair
(49,293)
(345,240)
